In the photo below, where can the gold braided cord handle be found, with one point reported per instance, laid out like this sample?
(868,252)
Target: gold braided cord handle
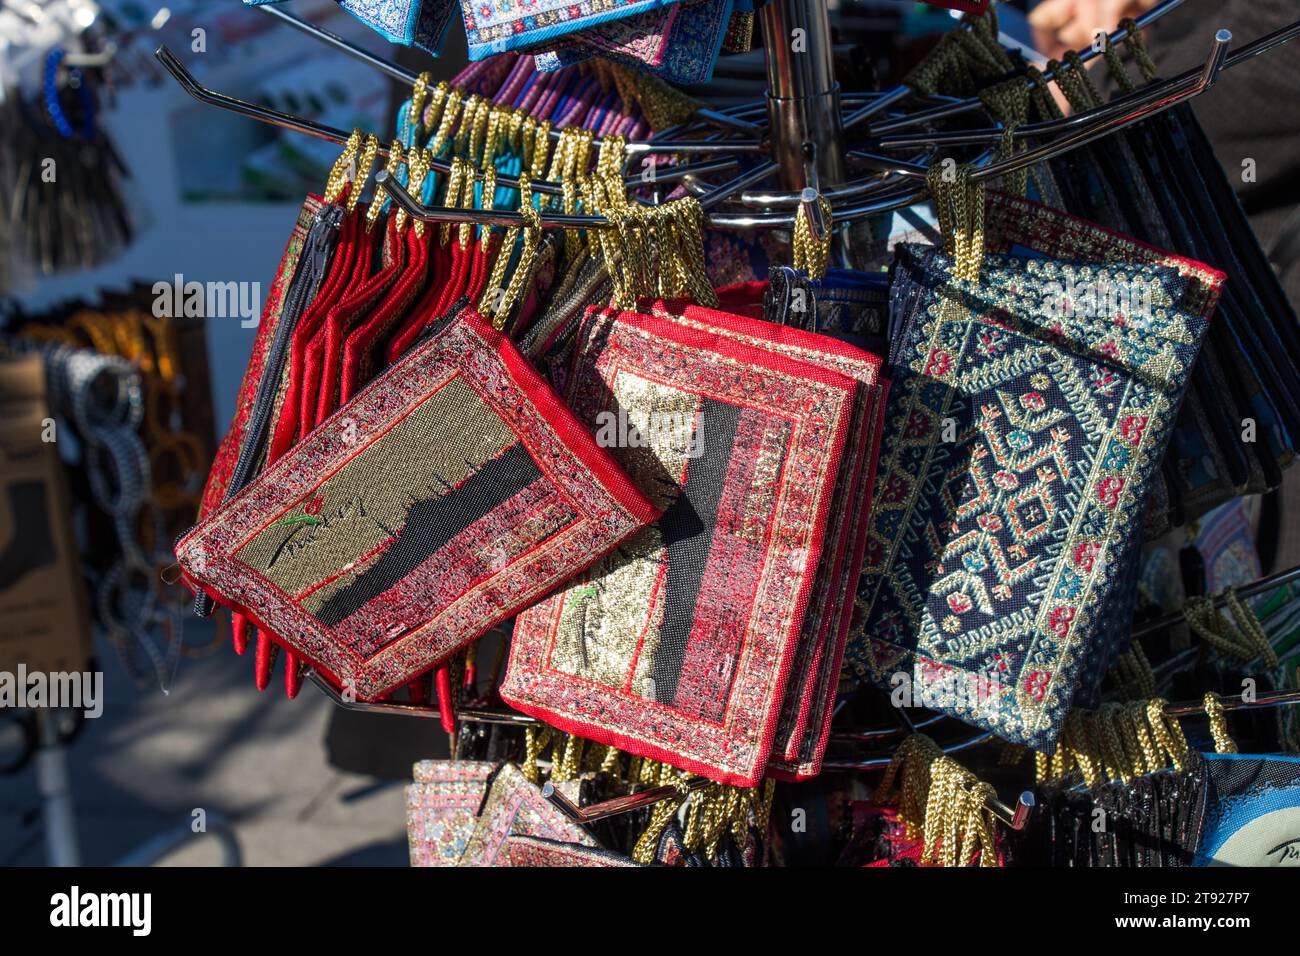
(1223,742)
(499,300)
(1118,742)
(451,113)
(342,168)
(941,803)
(451,197)
(419,92)
(1138,47)
(365,167)
(959,204)
(1040,94)
(419,162)
(1245,641)
(812,255)
(396,158)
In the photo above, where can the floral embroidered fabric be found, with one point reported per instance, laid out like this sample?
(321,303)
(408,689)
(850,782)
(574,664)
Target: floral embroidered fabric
(804,726)
(442,808)
(494,26)
(515,808)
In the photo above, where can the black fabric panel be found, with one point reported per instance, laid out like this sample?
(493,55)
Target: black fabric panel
(430,524)
(687,527)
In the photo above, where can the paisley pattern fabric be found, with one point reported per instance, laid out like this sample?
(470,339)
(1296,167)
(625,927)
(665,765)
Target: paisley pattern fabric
(442,807)
(513,808)
(1021,440)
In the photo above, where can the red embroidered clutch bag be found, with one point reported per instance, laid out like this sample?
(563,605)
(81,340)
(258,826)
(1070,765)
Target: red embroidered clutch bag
(804,726)
(451,493)
(679,646)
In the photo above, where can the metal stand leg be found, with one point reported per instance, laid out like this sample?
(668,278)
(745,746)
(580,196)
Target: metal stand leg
(61,845)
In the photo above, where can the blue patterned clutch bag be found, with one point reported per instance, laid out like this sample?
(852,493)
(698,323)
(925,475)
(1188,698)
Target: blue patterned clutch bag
(496,26)
(689,51)
(1024,429)
(421,23)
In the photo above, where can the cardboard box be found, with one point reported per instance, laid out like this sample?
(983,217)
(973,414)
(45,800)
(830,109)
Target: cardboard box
(43,621)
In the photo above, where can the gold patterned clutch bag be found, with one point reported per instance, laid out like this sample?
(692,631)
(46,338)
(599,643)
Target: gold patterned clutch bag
(452,492)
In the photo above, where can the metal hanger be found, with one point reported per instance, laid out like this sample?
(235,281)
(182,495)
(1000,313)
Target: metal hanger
(1151,101)
(879,196)
(309,127)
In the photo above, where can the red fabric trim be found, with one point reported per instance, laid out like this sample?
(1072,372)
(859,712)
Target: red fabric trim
(457,280)
(1027,207)
(410,327)
(743,298)
(446,700)
(965,6)
(315,333)
(840,567)
(227,454)
(807,763)
(575,435)
(716,342)
(285,430)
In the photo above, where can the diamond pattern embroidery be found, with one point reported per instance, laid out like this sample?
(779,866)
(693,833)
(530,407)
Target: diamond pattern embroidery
(1017,454)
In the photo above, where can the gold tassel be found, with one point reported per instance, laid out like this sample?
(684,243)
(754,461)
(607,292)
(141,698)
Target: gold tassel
(941,803)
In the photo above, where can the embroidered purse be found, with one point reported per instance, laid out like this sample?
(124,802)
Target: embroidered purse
(442,808)
(1253,818)
(680,645)
(449,494)
(498,27)
(804,727)
(1021,444)
(421,23)
(682,51)
(514,808)
(539,851)
(228,451)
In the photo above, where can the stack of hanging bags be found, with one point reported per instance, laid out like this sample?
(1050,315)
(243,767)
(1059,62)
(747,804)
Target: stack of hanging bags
(678,531)
(695,510)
